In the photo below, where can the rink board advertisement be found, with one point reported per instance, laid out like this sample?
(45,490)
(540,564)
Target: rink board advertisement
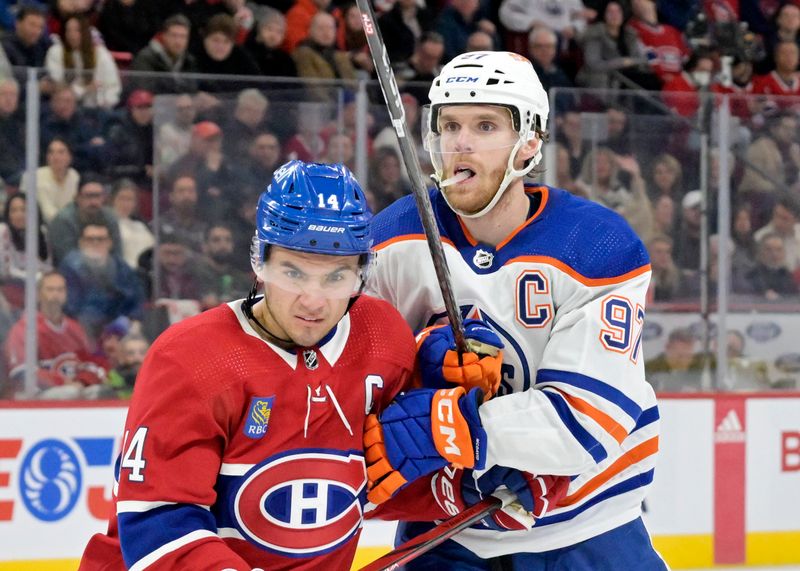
(725,490)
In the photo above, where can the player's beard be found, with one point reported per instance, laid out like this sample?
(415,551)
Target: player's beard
(475,199)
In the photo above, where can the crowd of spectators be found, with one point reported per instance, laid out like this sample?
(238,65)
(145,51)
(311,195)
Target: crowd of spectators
(158,131)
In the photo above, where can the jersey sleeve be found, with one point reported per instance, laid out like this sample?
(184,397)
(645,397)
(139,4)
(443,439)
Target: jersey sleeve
(590,391)
(172,450)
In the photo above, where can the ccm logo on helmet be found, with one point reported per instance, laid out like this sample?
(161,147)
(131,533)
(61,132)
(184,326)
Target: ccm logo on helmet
(462,79)
(331,229)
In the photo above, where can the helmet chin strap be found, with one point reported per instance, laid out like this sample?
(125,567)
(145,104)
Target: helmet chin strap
(511,174)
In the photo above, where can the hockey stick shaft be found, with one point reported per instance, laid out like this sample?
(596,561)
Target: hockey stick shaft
(397,114)
(415,547)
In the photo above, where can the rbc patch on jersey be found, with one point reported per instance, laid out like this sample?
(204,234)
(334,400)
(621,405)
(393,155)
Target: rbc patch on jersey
(258,414)
(301,503)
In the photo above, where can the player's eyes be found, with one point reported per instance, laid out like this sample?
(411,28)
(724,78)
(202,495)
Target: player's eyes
(450,126)
(293,274)
(486,126)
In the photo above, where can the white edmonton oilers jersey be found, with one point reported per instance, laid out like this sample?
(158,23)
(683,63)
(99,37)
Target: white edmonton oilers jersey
(566,293)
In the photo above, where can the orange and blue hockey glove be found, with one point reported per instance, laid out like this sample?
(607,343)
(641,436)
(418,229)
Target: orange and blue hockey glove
(420,432)
(440,365)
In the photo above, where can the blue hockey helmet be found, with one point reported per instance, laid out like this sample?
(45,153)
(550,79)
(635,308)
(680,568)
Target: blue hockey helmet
(315,208)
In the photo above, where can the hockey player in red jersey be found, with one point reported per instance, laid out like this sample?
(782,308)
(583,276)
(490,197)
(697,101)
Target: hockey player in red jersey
(562,281)
(243,443)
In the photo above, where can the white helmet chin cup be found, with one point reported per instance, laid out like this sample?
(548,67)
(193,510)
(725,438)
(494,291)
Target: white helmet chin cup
(504,79)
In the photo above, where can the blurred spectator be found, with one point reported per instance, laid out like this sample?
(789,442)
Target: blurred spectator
(783,80)
(182,219)
(174,136)
(351,39)
(458,20)
(12,132)
(665,215)
(566,17)
(787,29)
(306,145)
(340,149)
(298,21)
(610,48)
(56,182)
(82,132)
(264,44)
(784,224)
(740,88)
(346,121)
(742,233)
(480,41)
(27,46)
(600,172)
(65,229)
(688,236)
(775,153)
(219,55)
(13,262)
(220,279)
(771,278)
(178,272)
(62,342)
(211,169)
(136,236)
(387,137)
(542,47)
(130,141)
(422,67)
(121,379)
(87,66)
(386,178)
(403,26)
(619,137)
(564,178)
(242,223)
(100,285)
(738,281)
(317,57)
(668,282)
(570,134)
(666,49)
(249,118)
(675,370)
(127,25)
(167,54)
(666,177)
(681,90)
(108,345)
(263,157)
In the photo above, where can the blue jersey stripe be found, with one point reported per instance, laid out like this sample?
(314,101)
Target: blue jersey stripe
(592,385)
(648,416)
(632,483)
(592,446)
(141,533)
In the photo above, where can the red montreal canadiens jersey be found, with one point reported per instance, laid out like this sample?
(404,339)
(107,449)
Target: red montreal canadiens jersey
(240,455)
(773,84)
(665,46)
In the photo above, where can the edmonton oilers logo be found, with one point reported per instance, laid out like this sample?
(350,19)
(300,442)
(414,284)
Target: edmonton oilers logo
(50,480)
(483,259)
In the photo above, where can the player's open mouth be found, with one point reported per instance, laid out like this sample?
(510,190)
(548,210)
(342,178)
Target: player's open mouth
(308,319)
(461,174)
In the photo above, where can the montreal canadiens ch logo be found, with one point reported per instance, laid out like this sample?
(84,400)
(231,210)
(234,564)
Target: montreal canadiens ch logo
(303,503)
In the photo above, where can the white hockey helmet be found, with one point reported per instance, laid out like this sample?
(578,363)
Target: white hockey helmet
(505,79)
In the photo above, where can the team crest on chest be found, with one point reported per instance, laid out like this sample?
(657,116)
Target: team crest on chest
(258,414)
(483,259)
(310,359)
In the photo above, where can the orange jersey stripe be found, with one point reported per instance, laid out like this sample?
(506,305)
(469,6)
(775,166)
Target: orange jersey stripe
(408,237)
(631,457)
(580,277)
(615,429)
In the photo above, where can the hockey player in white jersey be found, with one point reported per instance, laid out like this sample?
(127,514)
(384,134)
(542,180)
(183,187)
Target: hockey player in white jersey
(562,281)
